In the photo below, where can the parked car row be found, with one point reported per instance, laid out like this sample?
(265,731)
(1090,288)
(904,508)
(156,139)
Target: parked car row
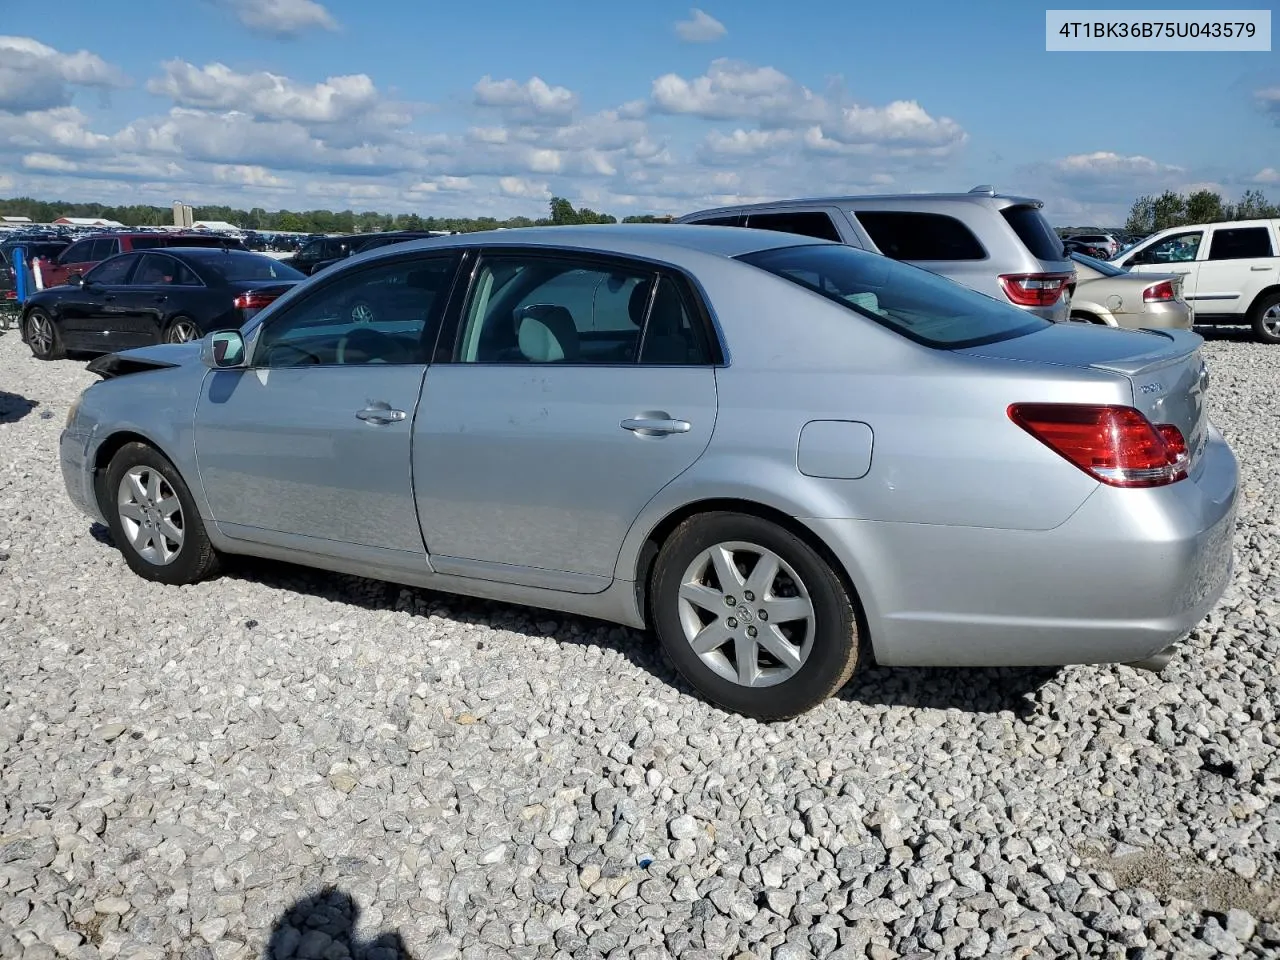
(572,418)
(1230,271)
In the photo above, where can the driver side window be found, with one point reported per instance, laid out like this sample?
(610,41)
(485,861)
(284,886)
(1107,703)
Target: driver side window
(1179,248)
(386,313)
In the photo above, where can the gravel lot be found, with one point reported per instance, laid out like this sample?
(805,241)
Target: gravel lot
(330,766)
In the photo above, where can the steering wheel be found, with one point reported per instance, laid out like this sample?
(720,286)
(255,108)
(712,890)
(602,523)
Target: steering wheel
(369,342)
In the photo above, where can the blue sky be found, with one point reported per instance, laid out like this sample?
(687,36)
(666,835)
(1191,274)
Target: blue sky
(492,108)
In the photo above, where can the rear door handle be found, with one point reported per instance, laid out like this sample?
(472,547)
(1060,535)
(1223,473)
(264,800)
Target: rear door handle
(380,414)
(656,426)
(1262,269)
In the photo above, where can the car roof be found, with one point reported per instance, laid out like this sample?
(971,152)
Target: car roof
(196,253)
(648,240)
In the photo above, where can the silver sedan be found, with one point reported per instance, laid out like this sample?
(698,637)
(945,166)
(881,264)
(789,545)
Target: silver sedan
(784,456)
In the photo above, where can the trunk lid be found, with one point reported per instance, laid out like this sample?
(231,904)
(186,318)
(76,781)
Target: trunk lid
(1166,372)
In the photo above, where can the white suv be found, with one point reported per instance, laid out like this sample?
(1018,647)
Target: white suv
(1231,271)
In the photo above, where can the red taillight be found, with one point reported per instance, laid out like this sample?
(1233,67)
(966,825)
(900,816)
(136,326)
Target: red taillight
(253,301)
(1160,292)
(1035,289)
(1114,444)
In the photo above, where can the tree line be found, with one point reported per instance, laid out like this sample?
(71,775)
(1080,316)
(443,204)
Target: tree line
(562,212)
(1150,214)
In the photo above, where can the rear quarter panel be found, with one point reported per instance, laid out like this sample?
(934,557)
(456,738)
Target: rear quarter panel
(944,450)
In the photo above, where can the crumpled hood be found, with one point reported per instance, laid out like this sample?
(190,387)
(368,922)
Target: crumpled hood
(139,359)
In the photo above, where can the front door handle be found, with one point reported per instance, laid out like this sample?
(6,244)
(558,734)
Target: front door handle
(1261,269)
(656,426)
(380,414)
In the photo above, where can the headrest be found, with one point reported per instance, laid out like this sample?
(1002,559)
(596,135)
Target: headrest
(546,333)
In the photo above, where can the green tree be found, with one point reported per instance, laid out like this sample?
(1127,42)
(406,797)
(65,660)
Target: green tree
(1142,216)
(1169,210)
(1206,206)
(562,212)
(1254,206)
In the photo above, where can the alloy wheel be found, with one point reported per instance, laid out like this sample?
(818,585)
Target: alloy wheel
(151,515)
(747,614)
(362,313)
(1271,320)
(182,331)
(40,333)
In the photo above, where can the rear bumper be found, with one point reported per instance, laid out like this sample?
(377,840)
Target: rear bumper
(1130,572)
(76,456)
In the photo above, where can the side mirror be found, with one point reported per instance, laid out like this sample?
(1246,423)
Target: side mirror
(223,350)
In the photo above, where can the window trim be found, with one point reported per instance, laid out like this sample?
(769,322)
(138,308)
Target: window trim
(124,282)
(1266,231)
(330,279)
(691,292)
(155,252)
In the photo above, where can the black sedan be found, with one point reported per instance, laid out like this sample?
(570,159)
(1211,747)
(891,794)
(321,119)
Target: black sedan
(153,296)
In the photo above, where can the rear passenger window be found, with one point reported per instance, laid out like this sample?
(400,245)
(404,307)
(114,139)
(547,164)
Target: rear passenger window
(1241,243)
(1040,239)
(810,224)
(920,236)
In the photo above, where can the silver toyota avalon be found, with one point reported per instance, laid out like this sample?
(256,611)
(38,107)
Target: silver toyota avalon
(782,455)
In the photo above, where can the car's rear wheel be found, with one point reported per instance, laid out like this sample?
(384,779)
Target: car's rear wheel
(181,330)
(43,337)
(753,616)
(153,518)
(1266,319)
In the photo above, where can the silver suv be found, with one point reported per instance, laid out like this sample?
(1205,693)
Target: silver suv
(998,245)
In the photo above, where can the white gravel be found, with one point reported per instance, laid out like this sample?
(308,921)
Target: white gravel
(301,764)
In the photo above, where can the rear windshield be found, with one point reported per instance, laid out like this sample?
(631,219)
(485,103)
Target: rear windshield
(234,266)
(920,305)
(1104,268)
(1034,232)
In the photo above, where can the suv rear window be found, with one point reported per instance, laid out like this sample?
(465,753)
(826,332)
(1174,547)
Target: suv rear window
(1241,243)
(805,223)
(920,305)
(1034,232)
(920,236)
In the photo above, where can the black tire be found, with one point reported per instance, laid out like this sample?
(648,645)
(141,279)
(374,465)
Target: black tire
(178,323)
(194,559)
(1259,320)
(833,654)
(55,349)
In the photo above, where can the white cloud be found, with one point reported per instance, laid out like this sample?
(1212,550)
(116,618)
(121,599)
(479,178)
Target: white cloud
(34,76)
(545,161)
(1266,175)
(520,187)
(6,182)
(1268,98)
(49,162)
(1103,165)
(733,90)
(339,99)
(535,98)
(247,175)
(701,27)
(746,143)
(282,18)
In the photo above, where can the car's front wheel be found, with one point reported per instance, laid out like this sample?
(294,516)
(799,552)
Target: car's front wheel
(43,337)
(753,616)
(154,520)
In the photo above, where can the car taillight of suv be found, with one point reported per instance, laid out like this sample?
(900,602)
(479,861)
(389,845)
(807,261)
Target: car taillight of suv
(1035,289)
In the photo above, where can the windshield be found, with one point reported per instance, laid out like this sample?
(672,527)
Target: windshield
(250,266)
(920,305)
(1093,263)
